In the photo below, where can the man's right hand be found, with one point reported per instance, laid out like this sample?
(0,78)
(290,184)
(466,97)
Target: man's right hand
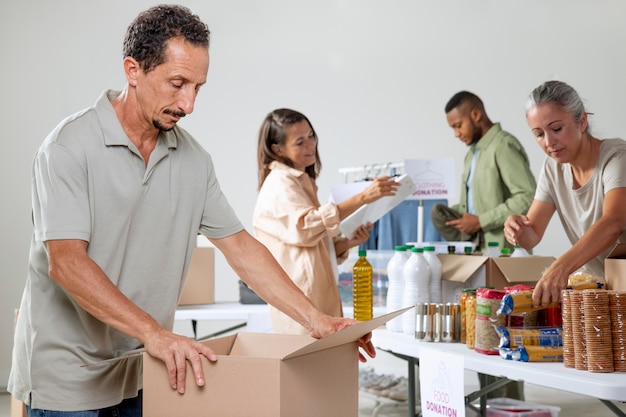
(175,351)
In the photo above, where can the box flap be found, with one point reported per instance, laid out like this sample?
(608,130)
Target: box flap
(268,345)
(618,252)
(524,269)
(347,335)
(459,268)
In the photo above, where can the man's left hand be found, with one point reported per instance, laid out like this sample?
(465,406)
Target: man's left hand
(468,224)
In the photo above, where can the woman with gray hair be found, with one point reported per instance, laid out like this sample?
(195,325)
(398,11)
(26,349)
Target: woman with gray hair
(583,180)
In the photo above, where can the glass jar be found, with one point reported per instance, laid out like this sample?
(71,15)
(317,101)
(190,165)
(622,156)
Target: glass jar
(462,298)
(487,303)
(469,317)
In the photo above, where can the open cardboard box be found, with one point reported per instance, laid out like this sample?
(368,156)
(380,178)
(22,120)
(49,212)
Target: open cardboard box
(615,269)
(471,271)
(264,374)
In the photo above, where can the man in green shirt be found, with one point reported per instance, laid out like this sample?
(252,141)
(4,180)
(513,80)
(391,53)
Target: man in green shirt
(496,182)
(496,179)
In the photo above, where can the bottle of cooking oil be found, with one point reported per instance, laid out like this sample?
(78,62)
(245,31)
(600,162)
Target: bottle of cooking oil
(362,294)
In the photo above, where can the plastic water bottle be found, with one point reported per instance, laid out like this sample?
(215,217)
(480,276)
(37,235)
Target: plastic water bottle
(362,290)
(435,274)
(493,250)
(519,252)
(395,292)
(416,273)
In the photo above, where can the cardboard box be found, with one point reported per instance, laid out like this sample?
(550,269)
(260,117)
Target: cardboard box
(200,281)
(262,374)
(615,269)
(471,271)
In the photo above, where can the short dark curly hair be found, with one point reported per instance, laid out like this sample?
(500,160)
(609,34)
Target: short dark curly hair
(146,37)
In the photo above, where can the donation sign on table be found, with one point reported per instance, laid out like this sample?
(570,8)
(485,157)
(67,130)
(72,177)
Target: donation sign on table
(441,383)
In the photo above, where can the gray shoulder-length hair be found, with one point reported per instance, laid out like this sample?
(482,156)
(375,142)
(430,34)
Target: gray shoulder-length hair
(560,93)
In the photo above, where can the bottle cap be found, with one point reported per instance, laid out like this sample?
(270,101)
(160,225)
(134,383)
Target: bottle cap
(429,248)
(400,248)
(490,244)
(362,252)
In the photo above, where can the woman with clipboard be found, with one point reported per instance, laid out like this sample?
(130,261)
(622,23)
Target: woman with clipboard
(301,233)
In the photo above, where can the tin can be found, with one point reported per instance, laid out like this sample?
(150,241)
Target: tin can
(421,321)
(449,322)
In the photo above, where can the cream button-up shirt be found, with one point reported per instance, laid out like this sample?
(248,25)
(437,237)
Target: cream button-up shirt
(298,231)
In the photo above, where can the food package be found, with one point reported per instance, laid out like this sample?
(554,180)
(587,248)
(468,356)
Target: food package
(533,353)
(512,337)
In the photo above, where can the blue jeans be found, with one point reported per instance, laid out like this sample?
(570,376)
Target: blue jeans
(130,407)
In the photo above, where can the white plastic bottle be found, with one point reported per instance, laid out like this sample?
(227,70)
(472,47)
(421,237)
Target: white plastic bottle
(493,250)
(395,291)
(435,274)
(416,273)
(519,252)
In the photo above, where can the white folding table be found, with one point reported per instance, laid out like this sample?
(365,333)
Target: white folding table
(607,387)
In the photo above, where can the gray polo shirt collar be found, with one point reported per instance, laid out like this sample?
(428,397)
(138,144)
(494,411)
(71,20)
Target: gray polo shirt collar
(114,134)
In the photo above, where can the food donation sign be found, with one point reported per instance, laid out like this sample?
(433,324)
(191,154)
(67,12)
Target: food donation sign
(441,384)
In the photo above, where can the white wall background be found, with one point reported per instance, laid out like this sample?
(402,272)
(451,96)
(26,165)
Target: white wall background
(373,77)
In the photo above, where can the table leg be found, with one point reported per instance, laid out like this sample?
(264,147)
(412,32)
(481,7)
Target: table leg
(412,389)
(614,408)
(482,394)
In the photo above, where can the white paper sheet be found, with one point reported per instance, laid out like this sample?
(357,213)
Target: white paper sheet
(374,211)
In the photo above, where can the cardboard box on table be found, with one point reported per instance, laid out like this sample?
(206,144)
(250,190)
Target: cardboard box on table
(199,285)
(263,374)
(615,269)
(471,271)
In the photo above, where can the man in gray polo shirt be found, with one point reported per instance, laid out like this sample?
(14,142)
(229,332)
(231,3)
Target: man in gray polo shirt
(120,193)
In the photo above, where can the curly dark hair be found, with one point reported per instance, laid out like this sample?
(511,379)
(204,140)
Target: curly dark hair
(147,36)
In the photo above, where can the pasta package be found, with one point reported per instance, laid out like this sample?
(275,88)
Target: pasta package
(518,302)
(512,337)
(583,280)
(533,354)
(538,354)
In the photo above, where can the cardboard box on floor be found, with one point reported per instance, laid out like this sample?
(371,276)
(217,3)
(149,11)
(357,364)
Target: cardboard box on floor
(200,282)
(615,269)
(264,374)
(471,271)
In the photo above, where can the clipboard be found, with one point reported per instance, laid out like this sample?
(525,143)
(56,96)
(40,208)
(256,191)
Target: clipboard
(374,211)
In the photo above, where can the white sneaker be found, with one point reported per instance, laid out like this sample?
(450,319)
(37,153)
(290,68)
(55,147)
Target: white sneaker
(369,379)
(398,392)
(385,383)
